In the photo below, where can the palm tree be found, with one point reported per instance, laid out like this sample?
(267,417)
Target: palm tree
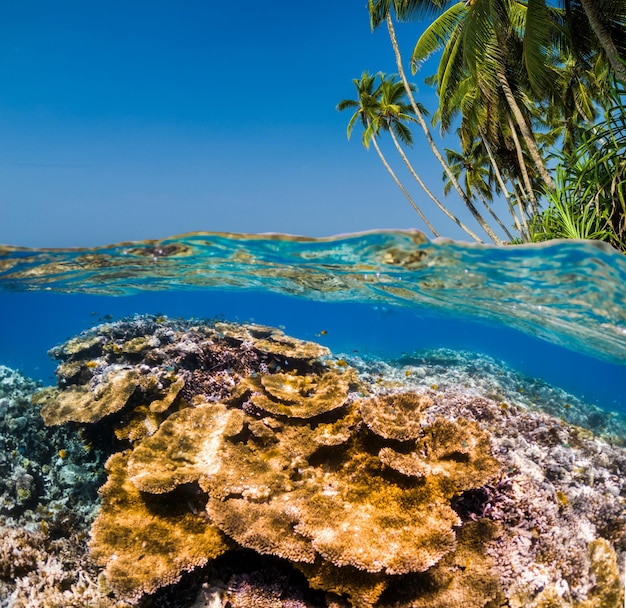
(473,166)
(367,111)
(475,38)
(380,10)
(607,21)
(394,113)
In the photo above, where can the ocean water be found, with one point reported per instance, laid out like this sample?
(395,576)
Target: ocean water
(555,311)
(460,443)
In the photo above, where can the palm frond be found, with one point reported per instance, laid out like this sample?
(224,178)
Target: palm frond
(437,34)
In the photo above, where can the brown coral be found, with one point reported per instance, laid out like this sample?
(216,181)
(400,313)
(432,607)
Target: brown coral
(185,449)
(396,416)
(86,404)
(144,545)
(464,577)
(273,341)
(356,518)
(146,420)
(297,396)
(458,453)
(267,527)
(363,588)
(291,464)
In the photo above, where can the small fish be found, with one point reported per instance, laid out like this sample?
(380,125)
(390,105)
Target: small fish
(91,364)
(407,373)
(341,363)
(62,453)
(323,333)
(561,498)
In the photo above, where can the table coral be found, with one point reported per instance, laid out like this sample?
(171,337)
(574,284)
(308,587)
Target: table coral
(144,545)
(88,404)
(185,449)
(458,453)
(272,341)
(305,396)
(289,460)
(395,416)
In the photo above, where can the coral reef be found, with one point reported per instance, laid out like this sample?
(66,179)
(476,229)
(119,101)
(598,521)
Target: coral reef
(250,468)
(48,497)
(143,546)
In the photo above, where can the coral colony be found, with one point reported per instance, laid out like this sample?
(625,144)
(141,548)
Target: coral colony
(246,468)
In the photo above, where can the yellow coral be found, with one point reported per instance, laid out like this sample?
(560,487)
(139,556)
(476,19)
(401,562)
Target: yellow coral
(396,416)
(185,449)
(464,577)
(272,341)
(266,527)
(303,396)
(460,454)
(363,588)
(355,518)
(143,547)
(83,404)
(146,420)
(355,493)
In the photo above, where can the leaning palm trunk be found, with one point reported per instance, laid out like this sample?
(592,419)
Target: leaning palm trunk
(503,187)
(420,118)
(524,130)
(522,167)
(399,184)
(604,37)
(517,188)
(494,215)
(437,202)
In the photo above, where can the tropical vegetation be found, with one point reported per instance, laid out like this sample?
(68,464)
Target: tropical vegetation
(533,93)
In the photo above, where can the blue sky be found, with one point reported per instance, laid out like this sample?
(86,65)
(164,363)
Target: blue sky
(135,120)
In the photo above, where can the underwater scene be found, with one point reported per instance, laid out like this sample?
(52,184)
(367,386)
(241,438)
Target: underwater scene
(368,420)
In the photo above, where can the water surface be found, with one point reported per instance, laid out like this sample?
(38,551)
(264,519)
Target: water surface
(555,310)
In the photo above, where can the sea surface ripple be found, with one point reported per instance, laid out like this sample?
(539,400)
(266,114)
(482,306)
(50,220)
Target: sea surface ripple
(571,293)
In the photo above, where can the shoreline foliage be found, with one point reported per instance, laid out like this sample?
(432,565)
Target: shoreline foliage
(534,91)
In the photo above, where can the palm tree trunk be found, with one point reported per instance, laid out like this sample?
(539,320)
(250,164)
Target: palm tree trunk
(437,202)
(522,166)
(420,118)
(399,184)
(604,38)
(503,187)
(521,207)
(524,129)
(494,215)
